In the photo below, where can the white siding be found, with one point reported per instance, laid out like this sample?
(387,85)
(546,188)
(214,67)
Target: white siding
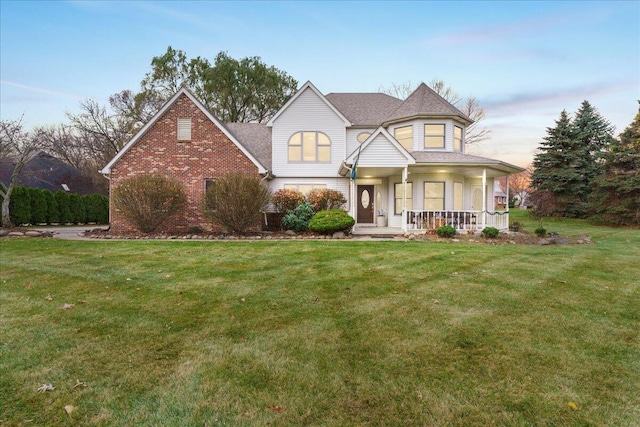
(352,139)
(381,152)
(308,113)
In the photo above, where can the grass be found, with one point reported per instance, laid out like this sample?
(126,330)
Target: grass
(322,333)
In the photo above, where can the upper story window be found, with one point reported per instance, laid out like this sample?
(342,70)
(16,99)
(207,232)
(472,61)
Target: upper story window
(457,138)
(362,137)
(434,136)
(184,129)
(404,136)
(309,147)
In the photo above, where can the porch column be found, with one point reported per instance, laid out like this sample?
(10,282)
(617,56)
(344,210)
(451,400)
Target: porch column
(405,172)
(484,198)
(352,199)
(506,207)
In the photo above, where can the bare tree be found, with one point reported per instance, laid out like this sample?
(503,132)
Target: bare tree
(20,146)
(468,106)
(519,184)
(102,133)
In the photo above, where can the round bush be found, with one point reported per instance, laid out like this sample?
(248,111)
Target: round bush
(286,200)
(330,221)
(446,231)
(541,231)
(298,219)
(490,232)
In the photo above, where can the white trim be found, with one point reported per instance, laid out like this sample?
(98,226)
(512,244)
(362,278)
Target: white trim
(381,131)
(309,85)
(154,119)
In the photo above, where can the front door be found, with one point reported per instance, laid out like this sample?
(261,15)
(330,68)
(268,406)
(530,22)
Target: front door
(365,204)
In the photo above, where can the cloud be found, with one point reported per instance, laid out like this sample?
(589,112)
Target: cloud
(41,90)
(517,101)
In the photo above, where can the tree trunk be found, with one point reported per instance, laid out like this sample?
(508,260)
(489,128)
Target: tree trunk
(6,218)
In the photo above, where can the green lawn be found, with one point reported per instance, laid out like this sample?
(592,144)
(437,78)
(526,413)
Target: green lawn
(322,333)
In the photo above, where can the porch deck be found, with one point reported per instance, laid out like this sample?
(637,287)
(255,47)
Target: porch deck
(372,230)
(460,220)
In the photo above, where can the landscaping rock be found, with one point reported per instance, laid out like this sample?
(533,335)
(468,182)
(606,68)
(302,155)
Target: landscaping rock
(290,233)
(4,232)
(32,233)
(338,235)
(15,234)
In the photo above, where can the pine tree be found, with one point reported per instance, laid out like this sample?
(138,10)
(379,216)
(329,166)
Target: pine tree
(555,176)
(20,206)
(616,196)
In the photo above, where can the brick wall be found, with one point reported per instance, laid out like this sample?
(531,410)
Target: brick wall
(209,154)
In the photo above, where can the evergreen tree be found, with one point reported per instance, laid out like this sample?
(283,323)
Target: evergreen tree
(569,160)
(556,176)
(77,209)
(52,207)
(101,205)
(38,206)
(89,207)
(20,206)
(65,215)
(616,195)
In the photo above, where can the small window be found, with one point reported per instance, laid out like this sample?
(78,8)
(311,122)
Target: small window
(363,137)
(309,147)
(184,129)
(433,196)
(398,190)
(404,136)
(433,136)
(457,138)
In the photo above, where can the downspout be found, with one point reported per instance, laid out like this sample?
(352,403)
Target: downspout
(267,175)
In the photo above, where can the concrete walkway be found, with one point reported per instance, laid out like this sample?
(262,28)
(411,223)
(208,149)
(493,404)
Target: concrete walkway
(69,232)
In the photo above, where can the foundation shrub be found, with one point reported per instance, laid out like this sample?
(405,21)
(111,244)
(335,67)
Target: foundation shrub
(298,219)
(446,231)
(325,199)
(149,200)
(490,232)
(236,201)
(331,220)
(286,200)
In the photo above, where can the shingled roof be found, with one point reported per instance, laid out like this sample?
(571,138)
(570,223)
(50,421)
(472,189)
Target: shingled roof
(364,109)
(424,101)
(256,138)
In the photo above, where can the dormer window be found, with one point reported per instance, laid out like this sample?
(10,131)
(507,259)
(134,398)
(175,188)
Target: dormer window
(309,147)
(457,138)
(404,136)
(184,129)
(434,136)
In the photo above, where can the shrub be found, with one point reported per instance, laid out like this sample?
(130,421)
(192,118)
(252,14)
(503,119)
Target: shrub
(490,232)
(65,215)
(236,201)
(330,221)
(52,207)
(298,219)
(149,200)
(101,205)
(38,206)
(77,208)
(540,231)
(325,198)
(446,231)
(20,206)
(516,226)
(286,200)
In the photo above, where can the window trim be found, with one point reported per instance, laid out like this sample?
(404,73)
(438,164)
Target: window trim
(425,198)
(396,198)
(301,147)
(443,136)
(395,130)
(184,129)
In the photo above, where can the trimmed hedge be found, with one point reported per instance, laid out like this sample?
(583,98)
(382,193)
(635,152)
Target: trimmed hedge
(330,221)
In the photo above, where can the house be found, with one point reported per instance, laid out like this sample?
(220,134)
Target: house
(45,172)
(500,197)
(401,164)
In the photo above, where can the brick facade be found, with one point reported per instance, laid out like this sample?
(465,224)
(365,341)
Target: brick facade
(208,155)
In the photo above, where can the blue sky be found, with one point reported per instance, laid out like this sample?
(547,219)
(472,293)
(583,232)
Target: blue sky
(525,61)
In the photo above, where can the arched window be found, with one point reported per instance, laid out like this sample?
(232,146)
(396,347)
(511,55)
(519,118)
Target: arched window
(362,137)
(309,147)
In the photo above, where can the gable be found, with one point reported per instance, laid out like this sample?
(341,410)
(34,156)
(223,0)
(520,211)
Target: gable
(310,100)
(171,129)
(381,150)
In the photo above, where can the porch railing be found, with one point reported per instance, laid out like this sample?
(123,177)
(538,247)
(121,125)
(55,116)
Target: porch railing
(460,220)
